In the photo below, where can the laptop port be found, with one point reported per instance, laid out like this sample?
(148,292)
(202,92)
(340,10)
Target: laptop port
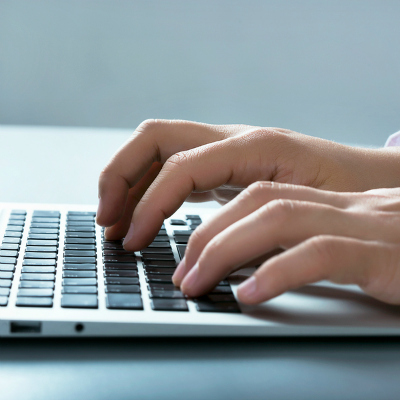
(25,327)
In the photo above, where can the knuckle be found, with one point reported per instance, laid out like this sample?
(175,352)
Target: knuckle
(148,125)
(178,160)
(324,249)
(280,210)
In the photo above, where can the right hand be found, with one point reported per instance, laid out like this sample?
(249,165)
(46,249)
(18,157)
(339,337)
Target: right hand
(167,162)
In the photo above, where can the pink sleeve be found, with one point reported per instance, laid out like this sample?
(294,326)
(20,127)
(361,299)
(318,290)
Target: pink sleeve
(393,140)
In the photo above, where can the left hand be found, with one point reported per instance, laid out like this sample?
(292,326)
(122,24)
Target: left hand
(347,238)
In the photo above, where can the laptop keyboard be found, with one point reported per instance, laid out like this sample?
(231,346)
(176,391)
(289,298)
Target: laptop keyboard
(80,273)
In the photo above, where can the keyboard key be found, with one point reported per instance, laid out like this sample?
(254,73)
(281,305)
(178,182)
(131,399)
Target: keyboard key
(36,284)
(177,222)
(15,228)
(162,304)
(45,219)
(79,228)
(41,249)
(79,301)
(124,301)
(121,273)
(80,217)
(8,253)
(79,274)
(7,267)
(39,270)
(80,223)
(6,275)
(181,239)
(120,266)
(11,240)
(34,302)
(221,289)
(158,245)
(48,225)
(37,277)
(82,213)
(162,286)
(157,250)
(181,250)
(52,243)
(157,278)
(45,231)
(161,239)
(35,293)
(39,262)
(122,289)
(167,294)
(80,234)
(207,306)
(79,289)
(159,263)
(5,283)
(119,259)
(70,240)
(46,213)
(80,247)
(159,271)
(8,260)
(12,234)
(4,291)
(121,281)
(3,301)
(40,236)
(80,267)
(18,212)
(193,216)
(79,253)
(217,298)
(79,282)
(164,257)
(39,255)
(182,233)
(9,246)
(118,252)
(80,260)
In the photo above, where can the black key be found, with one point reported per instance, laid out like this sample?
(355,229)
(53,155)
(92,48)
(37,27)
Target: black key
(119,266)
(7,267)
(79,301)
(79,274)
(45,220)
(48,225)
(121,281)
(181,239)
(8,260)
(9,246)
(44,231)
(46,213)
(79,253)
(79,241)
(80,247)
(118,252)
(40,255)
(8,253)
(3,301)
(177,222)
(122,289)
(80,235)
(162,232)
(158,245)
(39,270)
(167,294)
(39,236)
(162,286)
(216,298)
(80,217)
(12,234)
(157,250)
(15,228)
(221,289)
(161,239)
(35,293)
(119,259)
(79,228)
(113,246)
(159,263)
(4,291)
(6,275)
(11,240)
(181,250)
(79,282)
(36,284)
(223,283)
(37,277)
(34,302)
(157,278)
(162,304)
(192,216)
(182,233)
(79,289)
(39,262)
(164,257)
(5,283)
(227,307)
(79,260)
(124,301)
(52,243)
(159,271)
(80,267)
(120,273)
(42,249)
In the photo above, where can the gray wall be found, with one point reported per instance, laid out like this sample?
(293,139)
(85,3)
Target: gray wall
(325,68)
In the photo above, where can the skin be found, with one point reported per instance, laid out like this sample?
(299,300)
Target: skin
(317,200)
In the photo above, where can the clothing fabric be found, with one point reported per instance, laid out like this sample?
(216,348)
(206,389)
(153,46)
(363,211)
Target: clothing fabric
(393,140)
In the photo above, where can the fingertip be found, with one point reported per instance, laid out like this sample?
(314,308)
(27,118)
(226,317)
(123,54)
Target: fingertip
(247,291)
(179,273)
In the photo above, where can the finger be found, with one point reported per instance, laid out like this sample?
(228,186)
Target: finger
(251,199)
(342,260)
(119,230)
(280,223)
(153,140)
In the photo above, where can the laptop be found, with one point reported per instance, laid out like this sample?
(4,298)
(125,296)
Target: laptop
(59,277)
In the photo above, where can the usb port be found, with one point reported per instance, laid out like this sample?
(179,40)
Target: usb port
(25,327)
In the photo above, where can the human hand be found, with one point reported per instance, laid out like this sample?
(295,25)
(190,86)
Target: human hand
(347,238)
(167,162)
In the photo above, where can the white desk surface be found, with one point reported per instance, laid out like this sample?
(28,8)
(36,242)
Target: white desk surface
(61,165)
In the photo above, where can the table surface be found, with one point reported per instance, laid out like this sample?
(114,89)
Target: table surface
(61,165)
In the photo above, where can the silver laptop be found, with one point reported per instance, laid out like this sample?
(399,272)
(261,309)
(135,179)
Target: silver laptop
(59,277)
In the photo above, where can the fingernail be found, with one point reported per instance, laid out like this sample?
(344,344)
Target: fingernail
(129,235)
(190,279)
(248,288)
(179,272)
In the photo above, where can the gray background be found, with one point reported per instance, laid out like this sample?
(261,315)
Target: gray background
(324,68)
